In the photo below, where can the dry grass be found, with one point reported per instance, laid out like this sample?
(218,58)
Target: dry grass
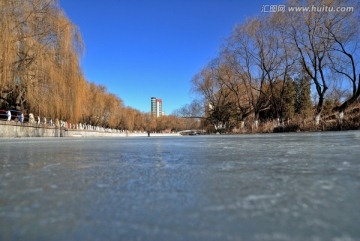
(329,122)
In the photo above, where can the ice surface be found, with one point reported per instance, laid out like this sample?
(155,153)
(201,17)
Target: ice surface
(303,186)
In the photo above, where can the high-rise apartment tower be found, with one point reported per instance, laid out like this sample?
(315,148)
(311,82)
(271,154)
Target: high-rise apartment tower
(156,107)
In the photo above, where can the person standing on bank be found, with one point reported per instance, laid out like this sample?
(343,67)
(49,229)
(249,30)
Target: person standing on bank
(8,115)
(21,118)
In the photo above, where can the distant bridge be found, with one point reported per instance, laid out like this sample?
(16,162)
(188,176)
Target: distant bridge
(193,117)
(191,132)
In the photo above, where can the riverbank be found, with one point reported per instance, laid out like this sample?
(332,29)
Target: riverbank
(16,130)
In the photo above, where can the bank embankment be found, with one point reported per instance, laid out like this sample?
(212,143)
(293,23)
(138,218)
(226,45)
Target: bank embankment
(16,129)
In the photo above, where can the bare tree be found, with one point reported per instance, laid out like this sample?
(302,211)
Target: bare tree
(317,35)
(261,57)
(195,109)
(243,54)
(344,56)
(216,96)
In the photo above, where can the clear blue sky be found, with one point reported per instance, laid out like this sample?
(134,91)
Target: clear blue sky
(144,48)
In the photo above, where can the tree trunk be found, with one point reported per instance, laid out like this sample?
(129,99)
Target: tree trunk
(341,117)
(317,119)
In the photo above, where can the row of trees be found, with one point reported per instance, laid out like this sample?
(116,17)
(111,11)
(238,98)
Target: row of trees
(271,66)
(40,72)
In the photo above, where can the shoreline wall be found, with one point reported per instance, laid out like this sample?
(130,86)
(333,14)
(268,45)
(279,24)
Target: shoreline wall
(15,129)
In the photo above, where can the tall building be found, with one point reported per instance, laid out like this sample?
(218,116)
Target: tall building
(156,107)
(153,106)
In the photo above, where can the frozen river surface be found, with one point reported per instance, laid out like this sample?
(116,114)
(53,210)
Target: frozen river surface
(253,187)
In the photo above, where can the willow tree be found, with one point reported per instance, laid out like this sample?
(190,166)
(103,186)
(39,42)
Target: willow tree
(39,63)
(9,53)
